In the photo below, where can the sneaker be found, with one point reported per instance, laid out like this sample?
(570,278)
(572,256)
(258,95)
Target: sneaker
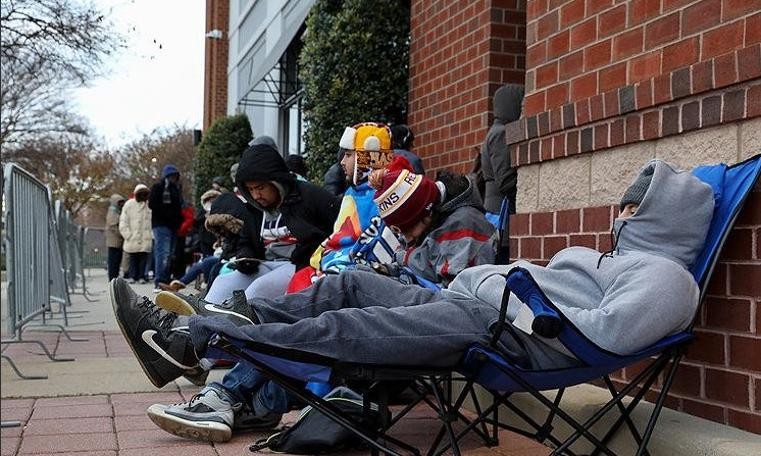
(176,285)
(236,307)
(164,352)
(156,290)
(210,415)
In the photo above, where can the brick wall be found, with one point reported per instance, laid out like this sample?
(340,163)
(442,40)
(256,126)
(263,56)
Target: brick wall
(215,63)
(720,377)
(460,53)
(602,74)
(609,79)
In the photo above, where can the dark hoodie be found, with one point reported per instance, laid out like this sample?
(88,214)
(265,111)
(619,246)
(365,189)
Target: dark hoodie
(307,210)
(165,201)
(499,177)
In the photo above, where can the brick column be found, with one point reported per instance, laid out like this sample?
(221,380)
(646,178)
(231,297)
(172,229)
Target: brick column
(215,63)
(460,53)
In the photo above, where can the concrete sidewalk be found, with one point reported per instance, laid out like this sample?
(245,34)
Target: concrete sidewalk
(95,405)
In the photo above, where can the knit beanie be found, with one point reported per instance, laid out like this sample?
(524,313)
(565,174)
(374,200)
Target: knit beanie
(404,198)
(636,191)
(371,142)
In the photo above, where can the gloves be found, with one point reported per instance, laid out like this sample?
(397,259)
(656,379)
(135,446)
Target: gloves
(248,266)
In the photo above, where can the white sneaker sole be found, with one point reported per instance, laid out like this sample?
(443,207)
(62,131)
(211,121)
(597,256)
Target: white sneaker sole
(208,431)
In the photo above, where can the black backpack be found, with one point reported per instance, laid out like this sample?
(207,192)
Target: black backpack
(315,433)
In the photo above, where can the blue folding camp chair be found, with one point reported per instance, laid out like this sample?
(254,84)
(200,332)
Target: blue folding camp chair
(485,366)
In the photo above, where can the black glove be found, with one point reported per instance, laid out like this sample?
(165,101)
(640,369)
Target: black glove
(248,266)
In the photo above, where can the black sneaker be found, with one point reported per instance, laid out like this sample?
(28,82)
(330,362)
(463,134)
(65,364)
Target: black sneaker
(163,352)
(236,307)
(210,415)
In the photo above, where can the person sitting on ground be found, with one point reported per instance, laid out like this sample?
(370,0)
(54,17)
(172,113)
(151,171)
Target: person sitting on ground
(623,300)
(446,232)
(291,219)
(205,243)
(442,224)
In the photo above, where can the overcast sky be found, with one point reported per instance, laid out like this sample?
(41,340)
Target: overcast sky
(148,86)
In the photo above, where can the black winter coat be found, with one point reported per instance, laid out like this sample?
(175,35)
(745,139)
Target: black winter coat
(307,210)
(169,215)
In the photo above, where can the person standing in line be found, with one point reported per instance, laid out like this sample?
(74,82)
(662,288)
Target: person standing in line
(114,239)
(135,227)
(165,202)
(499,177)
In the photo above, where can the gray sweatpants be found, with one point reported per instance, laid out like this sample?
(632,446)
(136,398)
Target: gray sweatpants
(364,317)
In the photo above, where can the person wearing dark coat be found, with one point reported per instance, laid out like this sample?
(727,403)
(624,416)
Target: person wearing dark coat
(290,219)
(500,178)
(165,202)
(335,178)
(403,139)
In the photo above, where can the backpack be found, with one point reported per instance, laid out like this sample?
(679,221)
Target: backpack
(315,433)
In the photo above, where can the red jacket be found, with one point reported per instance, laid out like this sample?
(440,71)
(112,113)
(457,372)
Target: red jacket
(188,216)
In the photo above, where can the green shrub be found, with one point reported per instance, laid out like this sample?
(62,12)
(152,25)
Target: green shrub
(354,66)
(221,146)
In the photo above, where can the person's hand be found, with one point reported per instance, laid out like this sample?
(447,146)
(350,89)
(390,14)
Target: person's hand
(248,266)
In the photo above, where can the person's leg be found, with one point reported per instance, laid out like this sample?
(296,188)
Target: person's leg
(134,264)
(114,260)
(162,236)
(356,317)
(200,267)
(213,273)
(143,259)
(337,291)
(272,279)
(224,285)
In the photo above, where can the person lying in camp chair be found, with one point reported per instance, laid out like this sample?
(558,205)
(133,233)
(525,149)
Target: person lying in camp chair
(622,300)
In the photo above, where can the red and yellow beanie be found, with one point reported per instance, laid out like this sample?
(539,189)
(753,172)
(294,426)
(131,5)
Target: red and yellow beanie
(403,198)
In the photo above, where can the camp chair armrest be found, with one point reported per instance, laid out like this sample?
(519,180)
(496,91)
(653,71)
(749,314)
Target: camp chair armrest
(547,321)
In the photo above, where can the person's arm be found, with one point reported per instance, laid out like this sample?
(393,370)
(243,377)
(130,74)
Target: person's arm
(124,227)
(465,239)
(155,197)
(505,177)
(646,303)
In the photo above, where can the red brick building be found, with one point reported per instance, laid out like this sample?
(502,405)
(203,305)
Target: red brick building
(216,59)
(609,84)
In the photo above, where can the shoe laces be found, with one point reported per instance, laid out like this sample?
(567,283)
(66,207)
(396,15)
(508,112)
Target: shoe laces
(162,318)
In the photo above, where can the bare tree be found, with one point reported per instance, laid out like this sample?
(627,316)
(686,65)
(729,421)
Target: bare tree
(78,171)
(141,161)
(46,48)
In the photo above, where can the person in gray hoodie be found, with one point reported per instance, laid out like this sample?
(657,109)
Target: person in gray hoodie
(623,300)
(499,177)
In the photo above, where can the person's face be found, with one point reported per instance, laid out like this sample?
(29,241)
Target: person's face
(264,193)
(629,210)
(173,178)
(142,195)
(414,232)
(347,163)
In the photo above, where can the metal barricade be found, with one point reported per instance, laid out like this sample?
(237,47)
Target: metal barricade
(34,266)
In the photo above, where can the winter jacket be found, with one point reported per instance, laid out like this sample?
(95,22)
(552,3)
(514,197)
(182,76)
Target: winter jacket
(335,180)
(168,214)
(639,293)
(354,217)
(114,239)
(461,237)
(499,177)
(307,210)
(135,226)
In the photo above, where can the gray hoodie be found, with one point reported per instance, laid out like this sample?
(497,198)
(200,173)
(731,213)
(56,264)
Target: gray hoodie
(640,294)
(499,177)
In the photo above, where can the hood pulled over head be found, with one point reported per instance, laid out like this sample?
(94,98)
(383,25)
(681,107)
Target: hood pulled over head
(507,102)
(673,217)
(263,163)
